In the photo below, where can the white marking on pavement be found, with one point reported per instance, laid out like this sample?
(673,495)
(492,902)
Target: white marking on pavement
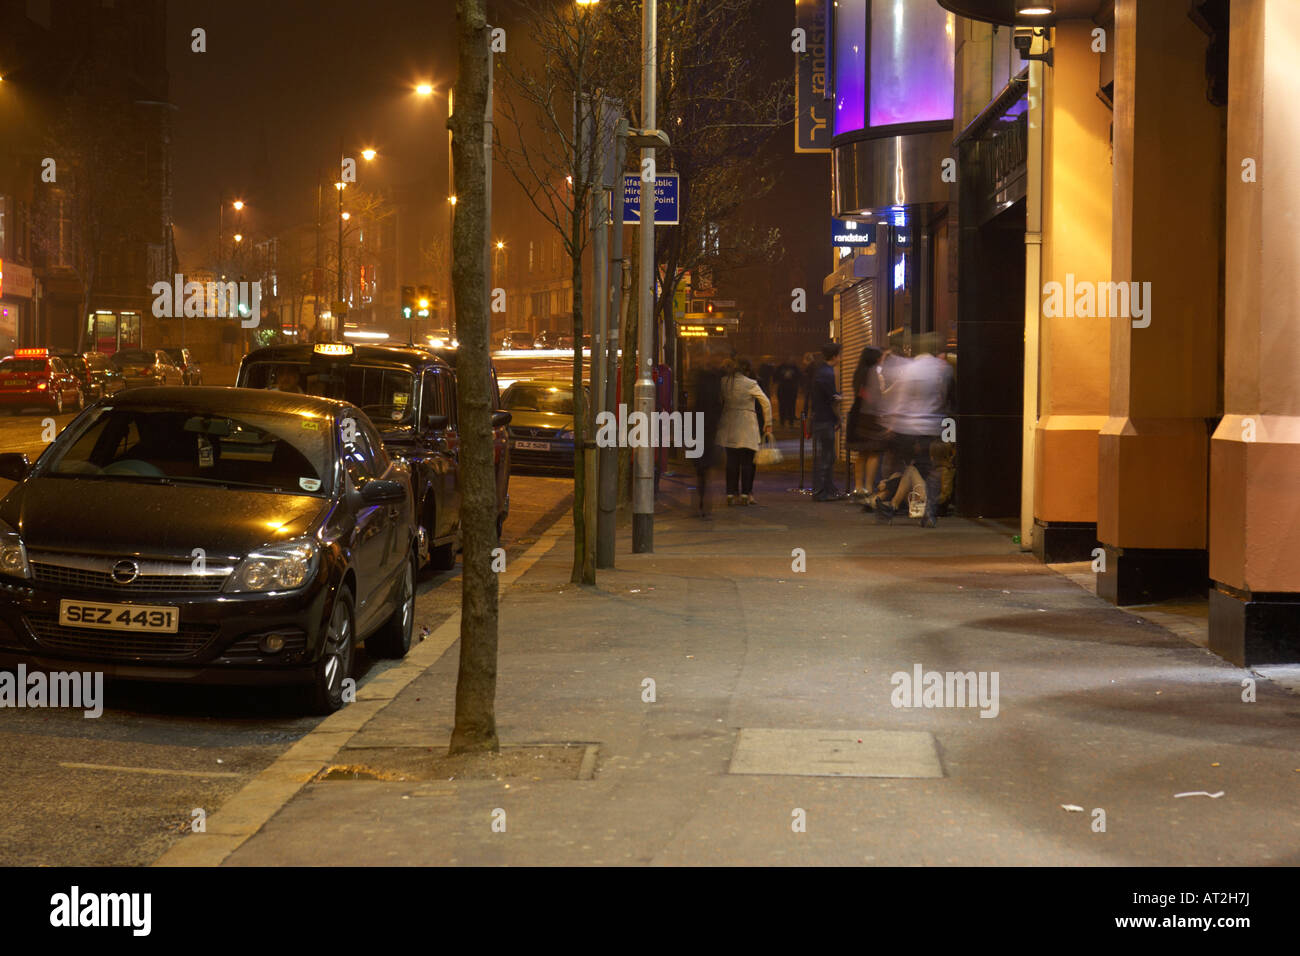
(161,771)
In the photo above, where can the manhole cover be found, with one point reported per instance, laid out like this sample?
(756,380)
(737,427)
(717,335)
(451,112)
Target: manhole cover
(836,753)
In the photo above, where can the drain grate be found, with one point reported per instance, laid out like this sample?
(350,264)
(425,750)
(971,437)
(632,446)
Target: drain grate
(836,753)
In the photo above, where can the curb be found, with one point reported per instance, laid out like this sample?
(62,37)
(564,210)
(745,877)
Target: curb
(240,817)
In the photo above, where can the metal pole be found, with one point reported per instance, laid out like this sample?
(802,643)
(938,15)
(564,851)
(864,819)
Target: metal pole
(487,192)
(606,518)
(643,500)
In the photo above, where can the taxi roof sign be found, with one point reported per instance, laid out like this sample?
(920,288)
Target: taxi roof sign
(332,348)
(31,353)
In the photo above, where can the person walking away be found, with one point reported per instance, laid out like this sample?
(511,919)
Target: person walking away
(765,372)
(787,389)
(738,430)
(864,434)
(920,402)
(707,402)
(825,419)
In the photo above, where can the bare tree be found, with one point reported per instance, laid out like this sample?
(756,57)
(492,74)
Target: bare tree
(475,728)
(556,104)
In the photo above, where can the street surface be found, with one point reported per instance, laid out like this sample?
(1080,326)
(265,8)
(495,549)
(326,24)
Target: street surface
(159,752)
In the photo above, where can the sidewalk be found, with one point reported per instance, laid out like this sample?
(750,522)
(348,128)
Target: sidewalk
(1098,708)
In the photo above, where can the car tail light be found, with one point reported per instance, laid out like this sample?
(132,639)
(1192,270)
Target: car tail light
(40,385)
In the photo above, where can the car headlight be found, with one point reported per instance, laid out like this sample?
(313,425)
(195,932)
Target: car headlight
(281,567)
(13,555)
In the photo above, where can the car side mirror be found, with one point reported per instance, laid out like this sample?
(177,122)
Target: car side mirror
(14,466)
(500,419)
(378,491)
(436,422)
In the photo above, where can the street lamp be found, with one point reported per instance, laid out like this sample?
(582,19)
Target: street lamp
(424,89)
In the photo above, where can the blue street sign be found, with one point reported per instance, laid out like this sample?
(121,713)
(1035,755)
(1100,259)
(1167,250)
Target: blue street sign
(666,213)
(846,232)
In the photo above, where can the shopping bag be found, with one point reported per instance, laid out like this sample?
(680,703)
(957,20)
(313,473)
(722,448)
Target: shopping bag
(768,454)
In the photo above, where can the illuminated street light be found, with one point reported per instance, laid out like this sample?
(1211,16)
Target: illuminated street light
(347,216)
(424,89)
(368,154)
(452,200)
(501,244)
(238,204)
(239,237)
(339,185)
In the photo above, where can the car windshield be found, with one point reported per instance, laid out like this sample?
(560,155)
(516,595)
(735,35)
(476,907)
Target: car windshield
(269,451)
(385,394)
(22,365)
(538,397)
(133,357)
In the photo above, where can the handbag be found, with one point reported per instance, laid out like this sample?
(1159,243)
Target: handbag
(768,454)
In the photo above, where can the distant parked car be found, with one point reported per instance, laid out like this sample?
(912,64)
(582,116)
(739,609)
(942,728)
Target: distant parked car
(547,340)
(184,360)
(142,368)
(33,378)
(517,339)
(541,424)
(96,374)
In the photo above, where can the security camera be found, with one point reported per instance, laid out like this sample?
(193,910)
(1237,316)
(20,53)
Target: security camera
(1023,39)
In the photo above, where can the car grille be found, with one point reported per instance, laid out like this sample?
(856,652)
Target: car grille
(181,578)
(530,434)
(189,641)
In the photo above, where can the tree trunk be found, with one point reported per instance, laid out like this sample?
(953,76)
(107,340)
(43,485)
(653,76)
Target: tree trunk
(475,728)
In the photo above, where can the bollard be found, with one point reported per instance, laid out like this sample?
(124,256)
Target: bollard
(803,432)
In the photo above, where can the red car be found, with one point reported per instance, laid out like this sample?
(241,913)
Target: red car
(33,378)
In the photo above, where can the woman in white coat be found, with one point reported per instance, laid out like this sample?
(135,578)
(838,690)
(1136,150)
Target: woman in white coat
(738,429)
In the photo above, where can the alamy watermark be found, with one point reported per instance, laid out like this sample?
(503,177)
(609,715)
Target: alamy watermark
(1085,299)
(241,300)
(78,690)
(923,688)
(652,430)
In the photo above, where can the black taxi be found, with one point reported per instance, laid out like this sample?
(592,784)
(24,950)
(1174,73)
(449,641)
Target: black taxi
(409,394)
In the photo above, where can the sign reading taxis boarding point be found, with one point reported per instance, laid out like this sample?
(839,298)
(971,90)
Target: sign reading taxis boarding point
(665,199)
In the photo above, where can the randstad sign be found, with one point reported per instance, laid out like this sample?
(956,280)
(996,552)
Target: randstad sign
(849,232)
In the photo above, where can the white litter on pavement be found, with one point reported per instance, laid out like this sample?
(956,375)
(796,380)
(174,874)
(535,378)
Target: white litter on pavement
(1071,808)
(1199,793)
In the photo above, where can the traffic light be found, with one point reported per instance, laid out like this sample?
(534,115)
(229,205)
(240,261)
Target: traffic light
(408,301)
(424,301)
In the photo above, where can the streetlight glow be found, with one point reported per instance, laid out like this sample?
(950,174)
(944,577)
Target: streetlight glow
(339,185)
(347,216)
(239,237)
(368,154)
(424,89)
(452,200)
(239,204)
(501,244)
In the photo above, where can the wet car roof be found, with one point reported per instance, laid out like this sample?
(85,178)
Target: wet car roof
(401,356)
(227,399)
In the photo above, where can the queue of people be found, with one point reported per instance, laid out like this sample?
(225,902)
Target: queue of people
(894,431)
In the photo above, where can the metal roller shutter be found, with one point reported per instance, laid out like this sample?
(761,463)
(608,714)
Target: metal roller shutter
(857,331)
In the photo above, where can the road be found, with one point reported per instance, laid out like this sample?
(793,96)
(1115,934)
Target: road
(160,752)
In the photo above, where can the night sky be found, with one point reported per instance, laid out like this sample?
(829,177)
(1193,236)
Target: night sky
(262,110)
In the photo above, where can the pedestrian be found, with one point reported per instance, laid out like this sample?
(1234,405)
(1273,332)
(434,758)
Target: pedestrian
(707,403)
(920,399)
(738,431)
(864,435)
(766,370)
(825,419)
(787,389)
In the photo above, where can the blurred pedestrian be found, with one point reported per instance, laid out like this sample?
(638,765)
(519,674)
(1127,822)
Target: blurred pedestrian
(825,419)
(787,389)
(919,400)
(707,402)
(738,431)
(864,434)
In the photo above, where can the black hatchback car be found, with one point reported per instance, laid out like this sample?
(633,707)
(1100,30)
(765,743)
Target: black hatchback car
(209,534)
(410,394)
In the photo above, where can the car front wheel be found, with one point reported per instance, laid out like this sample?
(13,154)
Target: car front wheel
(335,664)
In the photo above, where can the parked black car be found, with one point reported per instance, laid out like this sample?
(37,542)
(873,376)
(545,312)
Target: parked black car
(96,373)
(410,394)
(209,534)
(183,359)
